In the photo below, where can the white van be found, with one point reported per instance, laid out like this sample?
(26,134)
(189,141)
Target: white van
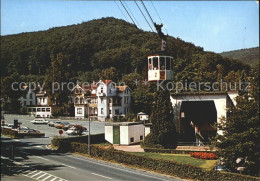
(39,121)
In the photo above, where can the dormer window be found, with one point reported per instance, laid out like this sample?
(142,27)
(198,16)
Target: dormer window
(102,89)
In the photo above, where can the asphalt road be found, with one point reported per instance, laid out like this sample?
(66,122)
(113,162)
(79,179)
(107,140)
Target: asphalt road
(32,160)
(35,162)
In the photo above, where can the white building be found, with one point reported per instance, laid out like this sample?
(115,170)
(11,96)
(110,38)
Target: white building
(196,113)
(142,116)
(36,103)
(81,95)
(124,133)
(113,101)
(29,99)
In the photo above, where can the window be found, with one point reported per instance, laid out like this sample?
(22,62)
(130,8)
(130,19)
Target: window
(155,63)
(110,100)
(150,64)
(43,100)
(30,95)
(132,139)
(29,110)
(48,109)
(24,103)
(34,109)
(141,137)
(31,103)
(110,111)
(168,63)
(117,111)
(102,89)
(43,109)
(81,100)
(102,110)
(79,110)
(38,109)
(162,63)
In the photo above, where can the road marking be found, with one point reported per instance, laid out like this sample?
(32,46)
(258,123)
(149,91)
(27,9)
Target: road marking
(46,178)
(55,161)
(31,172)
(16,140)
(53,179)
(37,174)
(41,175)
(101,176)
(117,168)
(69,166)
(43,158)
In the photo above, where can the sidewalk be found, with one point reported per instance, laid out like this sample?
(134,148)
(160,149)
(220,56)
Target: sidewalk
(130,148)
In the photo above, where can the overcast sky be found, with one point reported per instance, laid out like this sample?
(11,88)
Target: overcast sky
(214,25)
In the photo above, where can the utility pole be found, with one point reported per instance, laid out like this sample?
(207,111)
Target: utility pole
(89,146)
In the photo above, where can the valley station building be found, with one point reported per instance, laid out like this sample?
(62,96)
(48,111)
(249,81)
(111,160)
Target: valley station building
(196,113)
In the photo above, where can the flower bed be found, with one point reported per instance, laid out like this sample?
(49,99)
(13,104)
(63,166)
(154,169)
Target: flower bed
(204,155)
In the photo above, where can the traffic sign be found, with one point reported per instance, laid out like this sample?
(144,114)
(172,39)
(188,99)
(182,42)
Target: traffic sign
(60,132)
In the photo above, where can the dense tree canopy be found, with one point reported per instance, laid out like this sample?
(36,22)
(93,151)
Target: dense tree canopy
(101,44)
(239,144)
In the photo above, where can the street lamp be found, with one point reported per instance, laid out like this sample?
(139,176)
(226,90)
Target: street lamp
(89,149)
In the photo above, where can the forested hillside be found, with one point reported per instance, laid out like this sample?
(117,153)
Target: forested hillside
(248,56)
(107,47)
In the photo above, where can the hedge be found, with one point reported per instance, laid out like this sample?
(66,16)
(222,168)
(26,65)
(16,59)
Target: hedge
(63,143)
(16,134)
(172,151)
(158,165)
(9,132)
(31,134)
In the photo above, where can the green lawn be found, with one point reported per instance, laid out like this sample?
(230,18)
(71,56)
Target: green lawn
(182,158)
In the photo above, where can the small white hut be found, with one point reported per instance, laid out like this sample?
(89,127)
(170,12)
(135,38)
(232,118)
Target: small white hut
(124,133)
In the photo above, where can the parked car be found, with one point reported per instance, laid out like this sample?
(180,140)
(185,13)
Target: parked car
(39,121)
(74,125)
(76,130)
(72,131)
(23,129)
(63,124)
(33,131)
(53,122)
(9,126)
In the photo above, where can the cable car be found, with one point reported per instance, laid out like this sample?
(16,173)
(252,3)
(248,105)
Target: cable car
(160,67)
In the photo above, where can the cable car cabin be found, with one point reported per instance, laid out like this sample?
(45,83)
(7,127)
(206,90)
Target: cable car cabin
(160,67)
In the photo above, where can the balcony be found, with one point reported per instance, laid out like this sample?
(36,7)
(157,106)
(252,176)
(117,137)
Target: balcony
(115,104)
(40,95)
(101,94)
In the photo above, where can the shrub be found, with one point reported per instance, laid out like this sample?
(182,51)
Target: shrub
(151,141)
(204,155)
(9,132)
(63,143)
